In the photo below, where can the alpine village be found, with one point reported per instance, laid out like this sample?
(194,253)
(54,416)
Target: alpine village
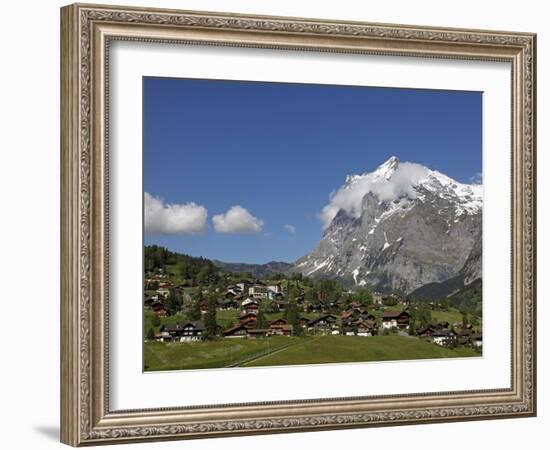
(198,315)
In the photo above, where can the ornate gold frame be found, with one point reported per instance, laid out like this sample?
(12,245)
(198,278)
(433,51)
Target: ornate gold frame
(86,31)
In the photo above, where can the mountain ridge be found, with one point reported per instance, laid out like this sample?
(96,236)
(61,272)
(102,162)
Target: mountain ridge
(398,228)
(256,270)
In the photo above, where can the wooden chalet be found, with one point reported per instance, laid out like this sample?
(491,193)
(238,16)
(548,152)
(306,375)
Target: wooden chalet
(444,337)
(238,331)
(395,319)
(323,323)
(280,327)
(465,337)
(250,305)
(159,310)
(314,307)
(225,304)
(185,331)
(254,333)
(281,330)
(425,332)
(248,318)
(366,327)
(277,322)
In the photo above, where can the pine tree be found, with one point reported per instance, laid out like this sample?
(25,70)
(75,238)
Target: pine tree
(210,324)
(292,318)
(150,335)
(261,321)
(155,321)
(174,302)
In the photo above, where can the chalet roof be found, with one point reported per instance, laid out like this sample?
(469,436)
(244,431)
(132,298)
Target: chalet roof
(197,324)
(283,321)
(235,328)
(328,318)
(171,327)
(224,301)
(258,330)
(443,333)
(249,300)
(367,316)
(425,330)
(393,314)
(347,314)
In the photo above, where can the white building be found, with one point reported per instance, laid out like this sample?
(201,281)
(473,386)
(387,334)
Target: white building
(258,291)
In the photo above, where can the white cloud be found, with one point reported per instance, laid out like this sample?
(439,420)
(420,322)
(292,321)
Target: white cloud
(168,218)
(290,228)
(237,220)
(350,196)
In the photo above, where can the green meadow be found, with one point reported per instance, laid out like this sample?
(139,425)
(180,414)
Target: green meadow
(283,351)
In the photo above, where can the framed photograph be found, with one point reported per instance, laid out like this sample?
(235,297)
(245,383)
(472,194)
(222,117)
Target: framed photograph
(275,224)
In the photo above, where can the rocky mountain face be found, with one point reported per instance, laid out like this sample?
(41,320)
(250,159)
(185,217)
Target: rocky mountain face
(398,228)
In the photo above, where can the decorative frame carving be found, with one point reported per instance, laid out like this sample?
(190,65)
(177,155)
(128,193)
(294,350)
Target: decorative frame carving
(86,31)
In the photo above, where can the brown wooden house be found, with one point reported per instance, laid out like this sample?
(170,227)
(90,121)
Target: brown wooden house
(159,310)
(238,331)
(395,319)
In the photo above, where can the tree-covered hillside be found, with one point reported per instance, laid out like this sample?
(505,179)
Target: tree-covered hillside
(196,270)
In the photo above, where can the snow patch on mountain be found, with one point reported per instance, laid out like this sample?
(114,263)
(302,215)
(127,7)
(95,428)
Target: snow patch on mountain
(399,227)
(398,183)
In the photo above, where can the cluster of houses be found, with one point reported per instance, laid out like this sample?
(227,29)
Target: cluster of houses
(440,334)
(336,317)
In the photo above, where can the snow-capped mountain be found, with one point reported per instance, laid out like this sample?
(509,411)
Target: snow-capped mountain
(399,228)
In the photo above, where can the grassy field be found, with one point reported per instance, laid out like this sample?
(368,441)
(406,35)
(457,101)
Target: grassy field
(205,355)
(452,316)
(338,349)
(292,350)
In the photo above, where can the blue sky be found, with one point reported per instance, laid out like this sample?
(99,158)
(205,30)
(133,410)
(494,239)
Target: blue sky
(278,150)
